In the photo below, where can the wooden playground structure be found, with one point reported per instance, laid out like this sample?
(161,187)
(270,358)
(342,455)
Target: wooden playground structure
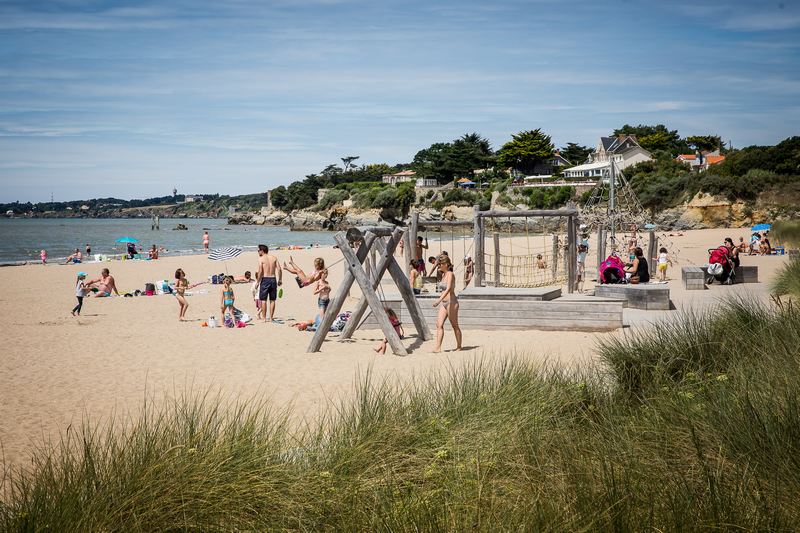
(495,301)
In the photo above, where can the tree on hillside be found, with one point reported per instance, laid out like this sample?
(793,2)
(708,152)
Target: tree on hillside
(432,162)
(654,138)
(279,198)
(525,150)
(347,162)
(576,153)
(447,161)
(704,143)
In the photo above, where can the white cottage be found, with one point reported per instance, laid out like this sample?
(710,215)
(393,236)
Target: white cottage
(623,149)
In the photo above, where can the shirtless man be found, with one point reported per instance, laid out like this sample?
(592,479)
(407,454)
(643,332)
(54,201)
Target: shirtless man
(419,246)
(269,277)
(105,284)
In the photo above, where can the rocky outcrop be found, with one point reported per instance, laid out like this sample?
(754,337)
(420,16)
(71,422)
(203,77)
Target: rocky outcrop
(705,211)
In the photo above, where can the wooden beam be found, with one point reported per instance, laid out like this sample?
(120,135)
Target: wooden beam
(387,252)
(337,301)
(407,251)
(572,253)
(530,213)
(496,238)
(424,225)
(652,252)
(410,299)
(477,245)
(414,232)
(372,299)
(554,263)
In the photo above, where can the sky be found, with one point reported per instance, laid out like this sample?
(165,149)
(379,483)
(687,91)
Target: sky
(129,100)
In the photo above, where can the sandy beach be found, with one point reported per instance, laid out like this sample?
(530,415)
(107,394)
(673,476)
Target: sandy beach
(57,369)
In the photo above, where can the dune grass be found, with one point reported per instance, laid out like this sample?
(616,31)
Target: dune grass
(688,426)
(787,279)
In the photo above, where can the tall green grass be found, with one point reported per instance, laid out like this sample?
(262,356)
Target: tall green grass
(693,426)
(787,279)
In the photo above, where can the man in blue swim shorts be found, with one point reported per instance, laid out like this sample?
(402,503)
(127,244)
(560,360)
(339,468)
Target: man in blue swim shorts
(269,277)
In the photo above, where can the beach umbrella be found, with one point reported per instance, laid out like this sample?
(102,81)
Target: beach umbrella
(466,183)
(761,227)
(127,239)
(223,254)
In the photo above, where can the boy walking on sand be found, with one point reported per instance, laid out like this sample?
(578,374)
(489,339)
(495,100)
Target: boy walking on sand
(269,277)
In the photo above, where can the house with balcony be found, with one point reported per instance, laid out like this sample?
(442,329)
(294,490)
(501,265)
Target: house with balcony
(623,150)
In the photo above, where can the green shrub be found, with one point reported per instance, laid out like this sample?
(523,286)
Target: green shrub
(333,197)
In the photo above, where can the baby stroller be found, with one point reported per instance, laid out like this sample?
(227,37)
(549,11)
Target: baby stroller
(612,270)
(720,267)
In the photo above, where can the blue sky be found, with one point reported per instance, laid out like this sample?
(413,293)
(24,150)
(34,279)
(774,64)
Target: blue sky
(131,99)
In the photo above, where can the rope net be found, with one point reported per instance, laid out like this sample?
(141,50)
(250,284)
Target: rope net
(540,267)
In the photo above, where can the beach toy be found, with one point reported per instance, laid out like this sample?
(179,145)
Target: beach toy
(280,292)
(212,322)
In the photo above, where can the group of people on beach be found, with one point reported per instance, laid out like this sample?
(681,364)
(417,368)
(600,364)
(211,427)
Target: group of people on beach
(101,287)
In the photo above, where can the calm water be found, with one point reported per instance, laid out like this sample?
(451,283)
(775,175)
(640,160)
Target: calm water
(21,239)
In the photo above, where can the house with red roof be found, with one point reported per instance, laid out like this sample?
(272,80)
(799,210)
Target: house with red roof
(701,161)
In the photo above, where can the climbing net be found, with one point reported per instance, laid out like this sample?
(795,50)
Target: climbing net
(525,260)
(630,219)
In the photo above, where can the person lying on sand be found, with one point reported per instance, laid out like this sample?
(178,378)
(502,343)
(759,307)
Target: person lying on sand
(247,278)
(302,279)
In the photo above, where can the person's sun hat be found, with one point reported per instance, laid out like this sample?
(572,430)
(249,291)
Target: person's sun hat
(81,274)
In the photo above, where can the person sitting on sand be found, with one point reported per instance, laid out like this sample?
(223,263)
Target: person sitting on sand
(380,348)
(638,271)
(75,258)
(302,279)
(153,253)
(105,284)
(768,245)
(742,245)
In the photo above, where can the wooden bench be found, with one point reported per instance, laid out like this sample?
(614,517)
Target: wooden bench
(694,278)
(652,297)
(496,313)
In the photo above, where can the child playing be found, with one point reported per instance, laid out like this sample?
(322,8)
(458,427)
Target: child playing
(581,273)
(43,255)
(540,264)
(301,278)
(181,284)
(663,261)
(323,292)
(80,292)
(416,277)
(380,348)
(227,298)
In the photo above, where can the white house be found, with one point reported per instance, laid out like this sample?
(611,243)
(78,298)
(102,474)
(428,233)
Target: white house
(400,177)
(193,198)
(700,161)
(623,149)
(426,183)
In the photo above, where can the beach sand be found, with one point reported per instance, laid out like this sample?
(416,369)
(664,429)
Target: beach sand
(55,369)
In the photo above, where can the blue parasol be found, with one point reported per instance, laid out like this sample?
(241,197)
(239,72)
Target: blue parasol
(761,227)
(127,239)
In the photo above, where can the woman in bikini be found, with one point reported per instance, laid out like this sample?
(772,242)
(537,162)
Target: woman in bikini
(448,302)
(181,284)
(302,279)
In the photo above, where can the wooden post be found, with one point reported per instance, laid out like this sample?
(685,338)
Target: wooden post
(477,264)
(652,252)
(337,301)
(601,249)
(373,261)
(407,251)
(572,253)
(414,231)
(496,238)
(554,263)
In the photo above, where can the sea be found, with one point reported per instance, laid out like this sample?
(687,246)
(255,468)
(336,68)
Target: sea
(22,239)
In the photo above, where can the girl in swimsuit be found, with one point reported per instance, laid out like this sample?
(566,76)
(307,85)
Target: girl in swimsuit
(449,303)
(181,284)
(206,240)
(227,298)
(301,278)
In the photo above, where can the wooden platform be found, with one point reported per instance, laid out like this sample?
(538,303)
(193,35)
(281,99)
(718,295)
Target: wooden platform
(646,296)
(518,310)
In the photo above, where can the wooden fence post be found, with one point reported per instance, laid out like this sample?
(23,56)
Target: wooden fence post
(496,238)
(572,254)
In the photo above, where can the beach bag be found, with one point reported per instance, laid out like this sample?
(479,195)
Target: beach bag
(149,289)
(341,320)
